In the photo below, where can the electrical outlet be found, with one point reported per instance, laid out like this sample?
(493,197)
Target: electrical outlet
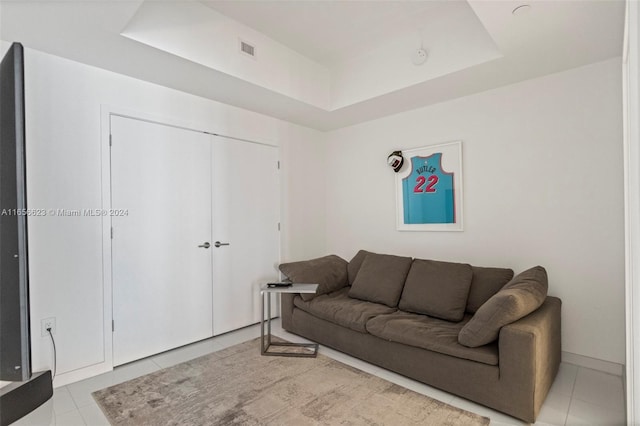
(48,323)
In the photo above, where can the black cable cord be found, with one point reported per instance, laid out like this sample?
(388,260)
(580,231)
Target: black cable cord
(55,356)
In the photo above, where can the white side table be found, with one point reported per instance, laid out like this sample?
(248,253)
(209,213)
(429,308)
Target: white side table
(265,339)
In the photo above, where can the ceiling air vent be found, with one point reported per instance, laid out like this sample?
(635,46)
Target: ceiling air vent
(247,49)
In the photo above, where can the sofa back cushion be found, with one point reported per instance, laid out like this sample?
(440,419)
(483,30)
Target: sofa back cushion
(517,299)
(380,279)
(485,283)
(437,289)
(330,272)
(354,266)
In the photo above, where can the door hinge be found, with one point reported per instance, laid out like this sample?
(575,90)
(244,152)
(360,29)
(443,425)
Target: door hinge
(110,140)
(113,325)
(278,226)
(112,232)
(278,165)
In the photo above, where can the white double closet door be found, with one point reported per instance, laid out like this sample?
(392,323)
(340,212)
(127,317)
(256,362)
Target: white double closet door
(184,192)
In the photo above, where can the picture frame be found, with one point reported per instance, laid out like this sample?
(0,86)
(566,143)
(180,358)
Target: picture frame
(429,192)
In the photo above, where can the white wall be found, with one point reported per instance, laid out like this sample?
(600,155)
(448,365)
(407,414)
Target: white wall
(542,164)
(63,106)
(304,209)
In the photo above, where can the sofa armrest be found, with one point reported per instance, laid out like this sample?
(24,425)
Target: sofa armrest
(530,352)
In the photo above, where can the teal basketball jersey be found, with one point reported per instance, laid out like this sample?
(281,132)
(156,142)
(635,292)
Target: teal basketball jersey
(428,193)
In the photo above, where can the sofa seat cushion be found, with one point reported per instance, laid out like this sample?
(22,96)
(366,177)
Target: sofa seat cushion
(430,333)
(343,310)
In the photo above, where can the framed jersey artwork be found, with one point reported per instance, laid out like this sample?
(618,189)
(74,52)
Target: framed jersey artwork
(429,189)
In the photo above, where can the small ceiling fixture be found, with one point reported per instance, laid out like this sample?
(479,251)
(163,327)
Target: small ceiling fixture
(523,9)
(419,56)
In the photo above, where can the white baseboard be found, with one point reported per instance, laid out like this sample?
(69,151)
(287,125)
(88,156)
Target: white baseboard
(593,363)
(63,379)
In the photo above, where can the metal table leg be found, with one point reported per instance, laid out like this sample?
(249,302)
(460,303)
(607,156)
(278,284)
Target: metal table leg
(264,346)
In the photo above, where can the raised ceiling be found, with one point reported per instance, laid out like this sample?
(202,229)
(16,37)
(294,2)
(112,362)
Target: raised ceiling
(343,38)
(361,60)
(330,32)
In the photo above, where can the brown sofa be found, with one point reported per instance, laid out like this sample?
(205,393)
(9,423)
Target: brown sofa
(498,346)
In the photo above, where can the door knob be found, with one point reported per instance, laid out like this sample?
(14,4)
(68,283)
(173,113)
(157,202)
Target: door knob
(219,244)
(205,245)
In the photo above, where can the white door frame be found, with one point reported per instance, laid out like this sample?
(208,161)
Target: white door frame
(106,111)
(631,131)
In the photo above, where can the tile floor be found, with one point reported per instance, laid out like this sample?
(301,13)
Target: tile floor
(579,396)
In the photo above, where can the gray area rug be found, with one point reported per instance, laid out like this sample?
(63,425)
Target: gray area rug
(238,386)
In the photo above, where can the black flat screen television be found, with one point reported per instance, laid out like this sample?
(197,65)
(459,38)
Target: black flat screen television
(15,342)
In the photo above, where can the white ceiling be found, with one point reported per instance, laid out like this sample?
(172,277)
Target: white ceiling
(328,31)
(556,35)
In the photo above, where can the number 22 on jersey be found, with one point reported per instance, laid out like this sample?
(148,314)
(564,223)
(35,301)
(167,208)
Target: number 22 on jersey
(421,180)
